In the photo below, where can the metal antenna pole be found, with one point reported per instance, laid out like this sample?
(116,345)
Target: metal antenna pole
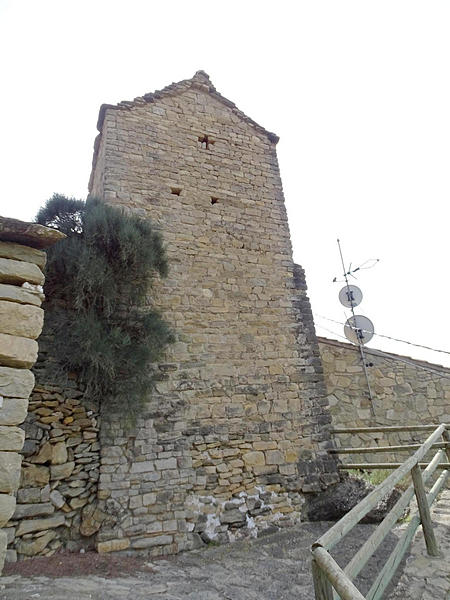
(361,349)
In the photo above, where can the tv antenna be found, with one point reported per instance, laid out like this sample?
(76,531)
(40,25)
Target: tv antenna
(358,329)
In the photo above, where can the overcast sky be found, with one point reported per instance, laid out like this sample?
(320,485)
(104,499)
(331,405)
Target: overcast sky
(358,91)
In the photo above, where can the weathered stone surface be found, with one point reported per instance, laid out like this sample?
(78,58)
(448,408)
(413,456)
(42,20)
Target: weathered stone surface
(44,455)
(113,545)
(57,499)
(17,351)
(16,383)
(23,253)
(28,495)
(21,320)
(28,234)
(13,410)
(17,272)
(61,471)
(254,458)
(3,544)
(11,438)
(91,520)
(10,463)
(34,476)
(33,510)
(30,525)
(7,506)
(22,295)
(35,546)
(150,542)
(59,453)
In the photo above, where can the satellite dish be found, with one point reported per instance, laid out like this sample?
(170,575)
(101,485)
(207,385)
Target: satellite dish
(359,329)
(350,296)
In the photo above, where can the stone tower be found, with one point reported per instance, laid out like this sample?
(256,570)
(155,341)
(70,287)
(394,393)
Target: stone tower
(236,431)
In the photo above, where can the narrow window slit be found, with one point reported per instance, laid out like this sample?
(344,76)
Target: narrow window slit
(214,200)
(175,191)
(205,142)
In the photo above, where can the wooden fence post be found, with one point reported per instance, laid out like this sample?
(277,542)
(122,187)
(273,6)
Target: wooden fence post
(424,511)
(322,586)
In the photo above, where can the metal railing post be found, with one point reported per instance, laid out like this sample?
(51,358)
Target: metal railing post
(424,511)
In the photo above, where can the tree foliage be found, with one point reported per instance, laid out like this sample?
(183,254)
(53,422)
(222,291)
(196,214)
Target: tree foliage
(97,284)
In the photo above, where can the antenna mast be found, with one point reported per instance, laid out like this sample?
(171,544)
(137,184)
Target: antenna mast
(353,324)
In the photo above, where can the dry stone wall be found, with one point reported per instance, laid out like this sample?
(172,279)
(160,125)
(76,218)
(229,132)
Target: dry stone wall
(236,431)
(404,393)
(21,318)
(56,499)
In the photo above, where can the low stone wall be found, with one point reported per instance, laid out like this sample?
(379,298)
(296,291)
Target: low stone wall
(21,320)
(56,500)
(405,391)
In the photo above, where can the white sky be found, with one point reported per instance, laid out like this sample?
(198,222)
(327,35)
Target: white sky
(358,91)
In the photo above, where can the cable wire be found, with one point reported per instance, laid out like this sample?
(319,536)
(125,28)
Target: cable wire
(387,337)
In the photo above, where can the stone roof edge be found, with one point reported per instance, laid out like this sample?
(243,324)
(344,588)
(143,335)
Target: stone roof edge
(200,81)
(382,353)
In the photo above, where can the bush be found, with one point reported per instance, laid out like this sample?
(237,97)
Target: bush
(97,284)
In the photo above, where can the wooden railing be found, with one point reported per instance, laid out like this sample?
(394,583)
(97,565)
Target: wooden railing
(327,574)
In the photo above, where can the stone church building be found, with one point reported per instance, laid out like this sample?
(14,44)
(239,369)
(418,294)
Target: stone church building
(237,430)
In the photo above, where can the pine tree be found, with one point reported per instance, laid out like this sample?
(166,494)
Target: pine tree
(98,281)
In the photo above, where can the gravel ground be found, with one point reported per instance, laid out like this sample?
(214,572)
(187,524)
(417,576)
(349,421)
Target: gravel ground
(273,567)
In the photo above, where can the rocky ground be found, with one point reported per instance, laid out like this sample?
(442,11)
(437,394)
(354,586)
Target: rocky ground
(273,567)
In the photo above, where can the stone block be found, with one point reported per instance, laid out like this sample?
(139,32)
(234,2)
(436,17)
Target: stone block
(142,467)
(59,453)
(113,545)
(16,383)
(13,293)
(13,410)
(274,457)
(7,506)
(17,351)
(31,525)
(10,463)
(57,499)
(150,542)
(254,458)
(28,495)
(11,438)
(3,545)
(21,320)
(148,499)
(61,471)
(166,463)
(33,510)
(36,545)
(18,272)
(23,253)
(33,476)
(11,556)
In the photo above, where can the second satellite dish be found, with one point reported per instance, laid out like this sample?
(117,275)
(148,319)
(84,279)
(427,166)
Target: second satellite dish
(350,296)
(359,329)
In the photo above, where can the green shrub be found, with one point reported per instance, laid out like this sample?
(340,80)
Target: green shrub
(97,284)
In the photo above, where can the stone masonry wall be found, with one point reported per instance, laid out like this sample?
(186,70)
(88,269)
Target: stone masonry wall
(21,319)
(236,432)
(404,394)
(56,499)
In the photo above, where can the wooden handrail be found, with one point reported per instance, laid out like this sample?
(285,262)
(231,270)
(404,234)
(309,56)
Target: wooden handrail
(369,449)
(342,527)
(387,428)
(328,575)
